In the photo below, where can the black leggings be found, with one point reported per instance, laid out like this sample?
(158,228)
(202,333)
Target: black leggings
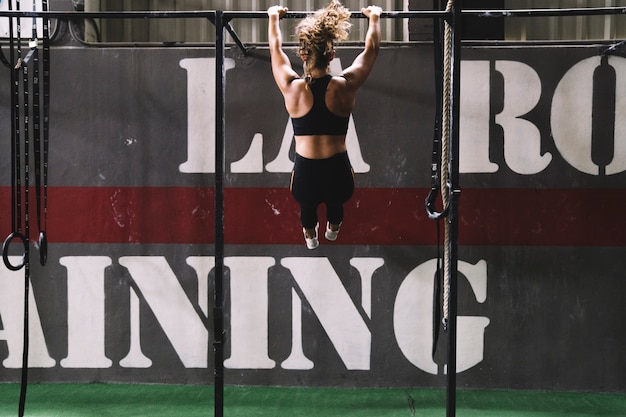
(316,181)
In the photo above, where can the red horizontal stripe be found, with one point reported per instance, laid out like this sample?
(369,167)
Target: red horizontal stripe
(374,216)
(124,215)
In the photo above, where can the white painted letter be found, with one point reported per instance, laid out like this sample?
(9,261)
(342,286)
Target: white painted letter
(571,116)
(12,314)
(475,118)
(336,312)
(412,317)
(201,114)
(85,312)
(522,139)
(249,312)
(171,307)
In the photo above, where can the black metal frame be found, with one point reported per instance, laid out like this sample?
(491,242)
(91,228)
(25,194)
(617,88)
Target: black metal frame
(221,20)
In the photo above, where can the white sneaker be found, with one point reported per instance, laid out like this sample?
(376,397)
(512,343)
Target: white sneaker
(331,234)
(312,242)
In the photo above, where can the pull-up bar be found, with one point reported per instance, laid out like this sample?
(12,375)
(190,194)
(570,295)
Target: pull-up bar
(210,14)
(581,11)
(222,21)
(425,14)
(229,15)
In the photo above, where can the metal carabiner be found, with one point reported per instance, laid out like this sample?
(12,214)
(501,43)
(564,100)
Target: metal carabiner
(430,205)
(5,251)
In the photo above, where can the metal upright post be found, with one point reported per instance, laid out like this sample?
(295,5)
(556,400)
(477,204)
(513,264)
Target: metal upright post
(453,216)
(218,315)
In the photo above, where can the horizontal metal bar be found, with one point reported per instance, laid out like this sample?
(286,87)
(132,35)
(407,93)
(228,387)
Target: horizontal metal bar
(582,11)
(424,14)
(180,14)
(175,14)
(229,15)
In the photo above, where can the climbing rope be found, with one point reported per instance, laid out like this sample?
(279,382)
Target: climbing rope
(445,158)
(440,168)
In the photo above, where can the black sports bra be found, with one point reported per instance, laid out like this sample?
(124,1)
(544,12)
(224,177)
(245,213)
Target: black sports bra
(320,120)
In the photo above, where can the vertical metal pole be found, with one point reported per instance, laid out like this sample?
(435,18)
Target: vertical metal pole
(218,316)
(454,206)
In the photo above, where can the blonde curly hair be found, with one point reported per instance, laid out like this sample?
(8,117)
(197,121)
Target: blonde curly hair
(319,32)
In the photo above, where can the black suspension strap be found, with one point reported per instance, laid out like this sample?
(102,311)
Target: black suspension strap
(26,124)
(436,163)
(23,64)
(16,165)
(32,59)
(27,114)
(437,282)
(40,136)
(435,173)
(43,224)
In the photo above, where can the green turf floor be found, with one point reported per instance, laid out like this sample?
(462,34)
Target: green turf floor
(103,400)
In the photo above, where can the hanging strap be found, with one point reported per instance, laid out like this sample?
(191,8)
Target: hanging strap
(40,145)
(437,156)
(16,163)
(435,172)
(21,65)
(43,224)
(27,111)
(29,68)
(437,295)
(440,183)
(33,55)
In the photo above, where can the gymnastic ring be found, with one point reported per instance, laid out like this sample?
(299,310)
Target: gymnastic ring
(5,251)
(43,248)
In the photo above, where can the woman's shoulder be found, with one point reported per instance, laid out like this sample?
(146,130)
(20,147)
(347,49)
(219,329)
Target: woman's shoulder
(338,82)
(297,85)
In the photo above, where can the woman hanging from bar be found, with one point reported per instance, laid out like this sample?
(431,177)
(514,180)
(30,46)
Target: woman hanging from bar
(320,106)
